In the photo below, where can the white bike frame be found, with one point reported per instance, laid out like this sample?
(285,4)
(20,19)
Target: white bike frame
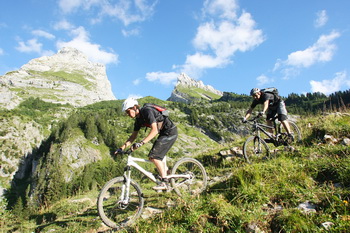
(132,162)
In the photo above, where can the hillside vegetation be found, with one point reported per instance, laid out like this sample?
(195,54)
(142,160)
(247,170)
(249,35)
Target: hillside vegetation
(261,197)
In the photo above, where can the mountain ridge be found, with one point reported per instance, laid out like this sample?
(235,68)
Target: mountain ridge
(188,90)
(67,77)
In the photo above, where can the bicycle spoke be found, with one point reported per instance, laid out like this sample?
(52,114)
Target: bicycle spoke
(197,181)
(255,150)
(295,132)
(115,212)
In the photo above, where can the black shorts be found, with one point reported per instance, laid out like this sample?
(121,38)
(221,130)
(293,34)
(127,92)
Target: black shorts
(163,144)
(279,109)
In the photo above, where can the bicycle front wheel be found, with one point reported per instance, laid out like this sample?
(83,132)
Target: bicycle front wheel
(115,212)
(255,150)
(197,181)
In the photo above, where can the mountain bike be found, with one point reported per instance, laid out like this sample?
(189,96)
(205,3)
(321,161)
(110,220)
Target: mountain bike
(121,200)
(255,148)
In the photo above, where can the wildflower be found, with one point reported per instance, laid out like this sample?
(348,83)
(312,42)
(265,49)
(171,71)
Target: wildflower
(345,202)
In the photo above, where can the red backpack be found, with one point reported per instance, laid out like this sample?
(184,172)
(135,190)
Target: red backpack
(160,109)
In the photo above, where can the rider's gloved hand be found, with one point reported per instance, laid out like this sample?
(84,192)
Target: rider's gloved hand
(136,146)
(244,120)
(260,114)
(120,150)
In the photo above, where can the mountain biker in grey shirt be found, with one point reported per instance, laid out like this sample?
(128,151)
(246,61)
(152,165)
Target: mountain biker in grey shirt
(272,105)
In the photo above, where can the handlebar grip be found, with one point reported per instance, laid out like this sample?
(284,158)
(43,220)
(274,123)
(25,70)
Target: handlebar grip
(126,152)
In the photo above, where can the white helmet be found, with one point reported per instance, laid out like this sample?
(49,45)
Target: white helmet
(129,103)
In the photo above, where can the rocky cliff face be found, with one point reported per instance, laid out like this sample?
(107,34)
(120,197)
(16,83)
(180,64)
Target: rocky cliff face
(189,90)
(67,77)
(18,139)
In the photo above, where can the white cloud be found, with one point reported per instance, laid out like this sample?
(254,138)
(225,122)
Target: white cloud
(223,33)
(217,40)
(81,41)
(63,25)
(67,6)
(41,33)
(136,82)
(327,87)
(33,46)
(204,61)
(322,51)
(223,8)
(133,32)
(226,38)
(321,19)
(263,79)
(127,11)
(30,46)
(162,77)
(1,51)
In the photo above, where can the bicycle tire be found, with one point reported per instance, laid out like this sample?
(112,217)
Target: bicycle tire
(255,150)
(193,186)
(109,210)
(295,131)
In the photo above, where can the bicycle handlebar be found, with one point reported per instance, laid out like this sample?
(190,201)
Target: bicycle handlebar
(125,152)
(254,118)
(258,116)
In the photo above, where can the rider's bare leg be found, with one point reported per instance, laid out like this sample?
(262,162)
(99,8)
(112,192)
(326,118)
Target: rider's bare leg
(160,167)
(269,123)
(166,169)
(286,126)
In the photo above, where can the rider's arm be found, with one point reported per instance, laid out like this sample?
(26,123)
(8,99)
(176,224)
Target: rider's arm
(152,133)
(249,112)
(130,140)
(265,107)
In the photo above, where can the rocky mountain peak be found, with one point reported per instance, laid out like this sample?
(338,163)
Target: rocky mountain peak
(188,90)
(67,77)
(71,52)
(67,59)
(186,81)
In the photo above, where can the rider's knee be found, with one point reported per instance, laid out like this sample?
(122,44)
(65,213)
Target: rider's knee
(282,117)
(155,157)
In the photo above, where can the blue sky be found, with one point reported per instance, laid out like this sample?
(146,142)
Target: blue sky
(297,46)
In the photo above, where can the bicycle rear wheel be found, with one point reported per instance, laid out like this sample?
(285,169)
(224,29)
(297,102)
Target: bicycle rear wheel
(255,150)
(112,211)
(294,130)
(197,182)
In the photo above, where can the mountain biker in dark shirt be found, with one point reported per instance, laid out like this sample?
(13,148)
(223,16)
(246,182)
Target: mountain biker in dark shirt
(272,105)
(160,125)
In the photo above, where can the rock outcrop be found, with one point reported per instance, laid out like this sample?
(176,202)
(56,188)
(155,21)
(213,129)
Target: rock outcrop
(18,140)
(188,90)
(67,77)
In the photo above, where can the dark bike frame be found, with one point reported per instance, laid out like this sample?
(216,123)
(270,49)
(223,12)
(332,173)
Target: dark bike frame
(259,127)
(277,138)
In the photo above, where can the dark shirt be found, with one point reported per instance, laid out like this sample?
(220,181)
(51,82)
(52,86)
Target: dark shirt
(149,115)
(265,96)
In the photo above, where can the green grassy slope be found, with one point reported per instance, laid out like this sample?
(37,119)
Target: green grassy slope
(263,196)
